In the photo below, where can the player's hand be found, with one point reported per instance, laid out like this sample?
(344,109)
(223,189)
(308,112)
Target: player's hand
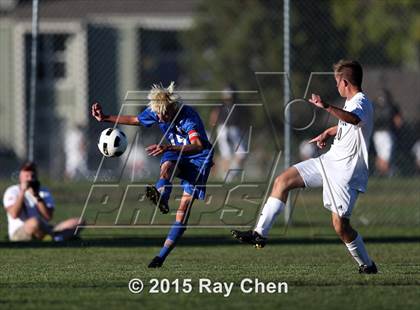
(317,101)
(33,192)
(156,149)
(25,185)
(320,140)
(97,112)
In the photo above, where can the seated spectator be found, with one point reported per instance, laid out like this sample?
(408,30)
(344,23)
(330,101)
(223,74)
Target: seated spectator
(30,208)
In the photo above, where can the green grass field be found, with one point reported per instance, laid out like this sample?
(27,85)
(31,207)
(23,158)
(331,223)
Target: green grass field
(94,273)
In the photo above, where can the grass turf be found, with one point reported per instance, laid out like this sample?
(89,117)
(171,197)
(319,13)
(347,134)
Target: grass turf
(319,273)
(94,273)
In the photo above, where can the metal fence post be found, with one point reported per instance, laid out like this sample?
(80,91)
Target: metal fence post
(32,94)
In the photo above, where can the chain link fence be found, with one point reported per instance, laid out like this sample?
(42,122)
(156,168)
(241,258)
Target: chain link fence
(99,50)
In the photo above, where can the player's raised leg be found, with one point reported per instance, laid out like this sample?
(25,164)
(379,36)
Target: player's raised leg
(176,231)
(160,193)
(285,182)
(354,243)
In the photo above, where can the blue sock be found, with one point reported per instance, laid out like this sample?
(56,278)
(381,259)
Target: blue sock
(174,234)
(167,188)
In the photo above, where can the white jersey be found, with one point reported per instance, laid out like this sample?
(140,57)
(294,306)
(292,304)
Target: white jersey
(347,160)
(28,210)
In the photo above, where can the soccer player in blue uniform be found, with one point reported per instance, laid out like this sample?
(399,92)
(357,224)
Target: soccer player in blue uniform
(189,156)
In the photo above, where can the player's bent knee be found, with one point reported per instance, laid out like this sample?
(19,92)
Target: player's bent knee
(166,169)
(33,221)
(32,225)
(281,184)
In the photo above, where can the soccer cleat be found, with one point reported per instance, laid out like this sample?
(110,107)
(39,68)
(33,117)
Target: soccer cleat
(156,262)
(368,269)
(154,196)
(251,237)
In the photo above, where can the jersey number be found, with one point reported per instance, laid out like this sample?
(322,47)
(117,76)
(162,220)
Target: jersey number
(177,140)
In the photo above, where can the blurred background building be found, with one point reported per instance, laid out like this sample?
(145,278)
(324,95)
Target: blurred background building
(97,50)
(88,50)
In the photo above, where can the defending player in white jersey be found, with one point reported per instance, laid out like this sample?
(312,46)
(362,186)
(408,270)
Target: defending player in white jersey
(342,171)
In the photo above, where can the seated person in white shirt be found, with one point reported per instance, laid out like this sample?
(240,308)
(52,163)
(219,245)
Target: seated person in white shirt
(30,208)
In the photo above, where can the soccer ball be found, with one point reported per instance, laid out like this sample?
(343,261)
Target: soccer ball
(112,142)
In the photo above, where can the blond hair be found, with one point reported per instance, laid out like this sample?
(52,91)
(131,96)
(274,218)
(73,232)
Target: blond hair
(161,97)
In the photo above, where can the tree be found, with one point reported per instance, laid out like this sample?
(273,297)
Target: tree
(381,31)
(230,40)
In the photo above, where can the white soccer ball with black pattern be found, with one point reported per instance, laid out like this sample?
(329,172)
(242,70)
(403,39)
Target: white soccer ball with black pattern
(112,142)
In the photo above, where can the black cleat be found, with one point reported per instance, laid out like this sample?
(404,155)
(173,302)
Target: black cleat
(156,262)
(154,196)
(368,269)
(250,237)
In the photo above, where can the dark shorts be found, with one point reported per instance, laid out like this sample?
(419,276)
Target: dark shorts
(193,172)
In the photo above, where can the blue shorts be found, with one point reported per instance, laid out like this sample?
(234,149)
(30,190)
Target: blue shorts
(193,172)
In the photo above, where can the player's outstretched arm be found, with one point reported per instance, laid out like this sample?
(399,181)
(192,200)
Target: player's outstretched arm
(120,119)
(195,147)
(321,140)
(339,113)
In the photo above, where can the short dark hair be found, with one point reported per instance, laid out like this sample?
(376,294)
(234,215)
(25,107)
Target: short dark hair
(28,166)
(350,70)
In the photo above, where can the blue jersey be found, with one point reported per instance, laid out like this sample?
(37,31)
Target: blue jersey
(186,127)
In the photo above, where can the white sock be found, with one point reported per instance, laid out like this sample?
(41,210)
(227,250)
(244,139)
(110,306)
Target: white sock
(358,251)
(268,215)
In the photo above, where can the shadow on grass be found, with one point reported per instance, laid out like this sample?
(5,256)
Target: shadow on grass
(191,241)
